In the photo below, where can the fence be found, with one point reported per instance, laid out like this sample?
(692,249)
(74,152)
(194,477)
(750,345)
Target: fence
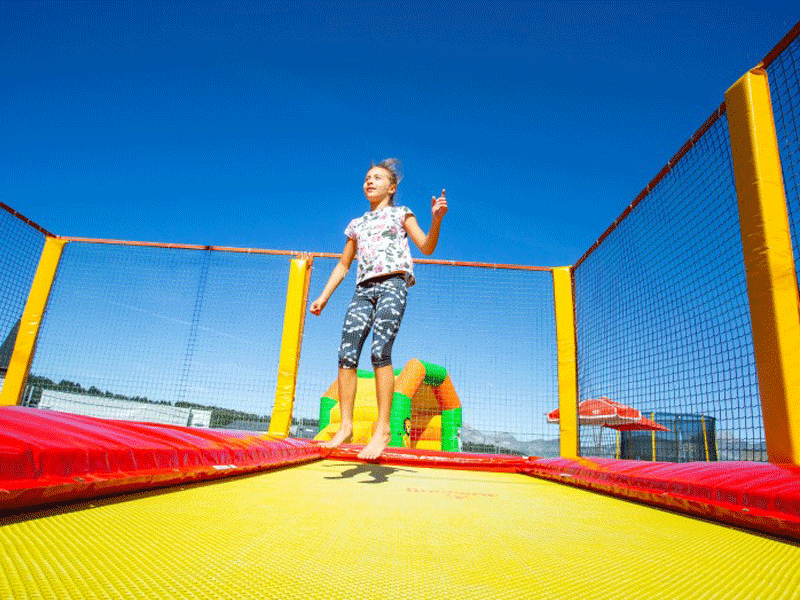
(662,313)
(663,319)
(491,328)
(193,328)
(21,244)
(688,438)
(782,67)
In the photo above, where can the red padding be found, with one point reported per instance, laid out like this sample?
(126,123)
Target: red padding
(759,496)
(413,457)
(48,456)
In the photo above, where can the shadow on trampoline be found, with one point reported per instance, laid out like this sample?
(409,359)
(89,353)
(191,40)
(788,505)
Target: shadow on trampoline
(379,473)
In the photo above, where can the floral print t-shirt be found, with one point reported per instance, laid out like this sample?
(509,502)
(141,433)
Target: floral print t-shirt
(382,243)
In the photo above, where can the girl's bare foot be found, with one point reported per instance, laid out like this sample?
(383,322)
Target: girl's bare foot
(343,435)
(380,439)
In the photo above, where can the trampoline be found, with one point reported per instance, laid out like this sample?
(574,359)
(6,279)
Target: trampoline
(336,529)
(114,509)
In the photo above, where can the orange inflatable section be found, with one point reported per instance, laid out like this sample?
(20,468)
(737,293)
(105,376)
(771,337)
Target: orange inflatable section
(446,395)
(410,378)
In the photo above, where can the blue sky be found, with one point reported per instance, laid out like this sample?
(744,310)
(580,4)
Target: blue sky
(252,124)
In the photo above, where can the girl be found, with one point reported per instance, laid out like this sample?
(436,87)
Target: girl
(379,239)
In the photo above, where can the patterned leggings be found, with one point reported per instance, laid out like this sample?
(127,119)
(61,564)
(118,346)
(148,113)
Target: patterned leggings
(377,304)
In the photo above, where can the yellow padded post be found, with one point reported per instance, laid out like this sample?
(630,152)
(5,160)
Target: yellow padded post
(771,276)
(567,363)
(705,437)
(25,345)
(653,437)
(293,322)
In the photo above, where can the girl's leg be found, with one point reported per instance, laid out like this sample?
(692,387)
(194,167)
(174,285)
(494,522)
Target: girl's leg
(388,315)
(384,389)
(347,383)
(357,323)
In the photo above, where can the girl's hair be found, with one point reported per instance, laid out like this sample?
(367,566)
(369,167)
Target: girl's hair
(393,167)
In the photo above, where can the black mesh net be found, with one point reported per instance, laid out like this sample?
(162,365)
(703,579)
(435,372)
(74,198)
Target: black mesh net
(662,314)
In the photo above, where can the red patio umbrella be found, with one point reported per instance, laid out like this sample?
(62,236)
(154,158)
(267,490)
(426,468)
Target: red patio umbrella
(605,412)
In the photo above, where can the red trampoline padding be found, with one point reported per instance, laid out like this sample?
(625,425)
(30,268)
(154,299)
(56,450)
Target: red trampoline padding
(413,457)
(759,496)
(48,456)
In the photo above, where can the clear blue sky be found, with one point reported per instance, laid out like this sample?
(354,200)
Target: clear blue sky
(252,124)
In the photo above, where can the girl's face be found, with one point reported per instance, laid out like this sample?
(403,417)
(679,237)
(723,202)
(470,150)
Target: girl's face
(378,185)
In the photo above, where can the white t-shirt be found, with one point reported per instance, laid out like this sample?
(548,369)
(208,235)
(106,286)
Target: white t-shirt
(382,243)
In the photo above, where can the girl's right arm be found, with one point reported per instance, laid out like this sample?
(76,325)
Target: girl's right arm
(338,274)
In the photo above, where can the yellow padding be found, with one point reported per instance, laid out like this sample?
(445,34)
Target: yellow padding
(769,262)
(25,345)
(290,348)
(567,363)
(337,530)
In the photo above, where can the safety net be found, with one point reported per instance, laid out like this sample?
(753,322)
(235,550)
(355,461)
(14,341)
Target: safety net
(21,244)
(168,335)
(784,84)
(482,338)
(662,314)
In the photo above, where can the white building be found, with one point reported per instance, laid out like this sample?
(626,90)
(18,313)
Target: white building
(125,410)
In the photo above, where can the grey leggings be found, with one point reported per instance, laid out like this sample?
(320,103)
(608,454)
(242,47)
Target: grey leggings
(377,304)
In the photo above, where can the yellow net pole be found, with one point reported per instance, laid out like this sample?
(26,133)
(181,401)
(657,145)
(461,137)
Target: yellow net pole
(769,263)
(293,322)
(653,437)
(567,363)
(25,345)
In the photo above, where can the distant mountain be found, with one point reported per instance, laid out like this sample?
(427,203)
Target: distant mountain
(732,447)
(473,440)
(729,445)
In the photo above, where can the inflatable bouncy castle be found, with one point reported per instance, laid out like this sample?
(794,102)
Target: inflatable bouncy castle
(426,411)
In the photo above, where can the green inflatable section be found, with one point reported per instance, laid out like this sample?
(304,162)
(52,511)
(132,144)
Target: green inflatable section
(434,374)
(325,407)
(401,410)
(366,374)
(451,423)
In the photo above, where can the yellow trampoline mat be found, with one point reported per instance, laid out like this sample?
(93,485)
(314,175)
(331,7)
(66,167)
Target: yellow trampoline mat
(347,530)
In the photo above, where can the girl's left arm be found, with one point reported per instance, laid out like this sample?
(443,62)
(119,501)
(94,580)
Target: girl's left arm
(427,242)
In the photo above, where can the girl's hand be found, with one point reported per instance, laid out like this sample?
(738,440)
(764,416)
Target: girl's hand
(317,306)
(438,207)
